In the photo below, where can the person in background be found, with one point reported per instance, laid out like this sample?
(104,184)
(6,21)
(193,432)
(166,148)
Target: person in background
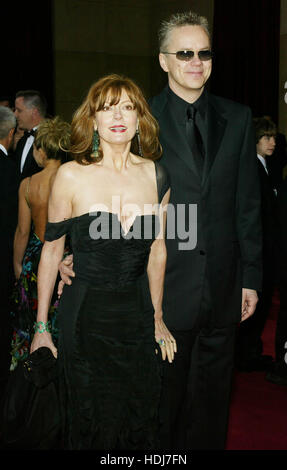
(249,348)
(278,372)
(8,222)
(5,100)
(52,137)
(277,162)
(30,110)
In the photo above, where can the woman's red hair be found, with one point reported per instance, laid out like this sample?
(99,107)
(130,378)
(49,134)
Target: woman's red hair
(109,88)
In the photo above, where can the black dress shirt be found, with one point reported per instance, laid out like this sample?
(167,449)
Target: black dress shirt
(179,113)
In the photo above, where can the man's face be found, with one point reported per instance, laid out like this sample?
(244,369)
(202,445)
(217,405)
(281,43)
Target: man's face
(23,114)
(266,145)
(187,78)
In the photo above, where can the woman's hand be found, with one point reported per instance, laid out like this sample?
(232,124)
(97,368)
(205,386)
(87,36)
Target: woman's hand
(43,339)
(165,339)
(66,272)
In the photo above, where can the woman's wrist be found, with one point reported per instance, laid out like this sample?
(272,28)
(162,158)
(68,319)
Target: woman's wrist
(41,327)
(158,315)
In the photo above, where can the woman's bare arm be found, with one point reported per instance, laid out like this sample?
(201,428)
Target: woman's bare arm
(60,208)
(22,232)
(156,273)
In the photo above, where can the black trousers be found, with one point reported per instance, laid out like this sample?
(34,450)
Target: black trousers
(195,397)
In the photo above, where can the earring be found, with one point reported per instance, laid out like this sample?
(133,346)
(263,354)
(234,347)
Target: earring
(95,145)
(139,142)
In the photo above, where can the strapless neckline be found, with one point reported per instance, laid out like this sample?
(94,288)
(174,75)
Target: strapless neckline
(114,214)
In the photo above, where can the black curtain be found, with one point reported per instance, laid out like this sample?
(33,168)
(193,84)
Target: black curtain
(27,49)
(246,38)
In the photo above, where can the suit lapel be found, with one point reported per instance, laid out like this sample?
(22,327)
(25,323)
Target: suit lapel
(21,145)
(18,153)
(28,160)
(216,124)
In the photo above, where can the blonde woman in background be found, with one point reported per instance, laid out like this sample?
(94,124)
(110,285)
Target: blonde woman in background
(53,135)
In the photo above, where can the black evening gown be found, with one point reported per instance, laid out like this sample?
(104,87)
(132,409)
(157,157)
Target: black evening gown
(110,372)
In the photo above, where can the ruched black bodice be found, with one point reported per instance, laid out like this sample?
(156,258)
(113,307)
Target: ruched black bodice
(103,254)
(110,378)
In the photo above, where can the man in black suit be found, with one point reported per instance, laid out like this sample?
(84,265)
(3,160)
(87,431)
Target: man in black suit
(209,287)
(214,272)
(30,110)
(8,221)
(249,345)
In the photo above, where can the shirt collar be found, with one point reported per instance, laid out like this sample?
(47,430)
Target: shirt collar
(3,149)
(179,105)
(263,161)
(201,104)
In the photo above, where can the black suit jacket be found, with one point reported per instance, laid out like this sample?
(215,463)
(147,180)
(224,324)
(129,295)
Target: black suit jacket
(270,229)
(227,256)
(282,219)
(8,216)
(30,165)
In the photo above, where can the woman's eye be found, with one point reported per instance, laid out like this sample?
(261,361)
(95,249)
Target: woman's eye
(129,107)
(106,108)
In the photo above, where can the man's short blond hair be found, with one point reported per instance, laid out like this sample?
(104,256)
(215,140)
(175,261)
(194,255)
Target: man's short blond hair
(188,18)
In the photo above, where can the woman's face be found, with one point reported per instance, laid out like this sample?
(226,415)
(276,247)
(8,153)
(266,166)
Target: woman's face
(117,124)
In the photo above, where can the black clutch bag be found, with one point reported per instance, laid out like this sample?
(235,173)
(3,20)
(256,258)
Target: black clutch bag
(40,367)
(31,409)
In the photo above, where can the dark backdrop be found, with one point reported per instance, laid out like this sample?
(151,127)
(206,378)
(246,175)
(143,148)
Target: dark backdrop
(27,48)
(245,40)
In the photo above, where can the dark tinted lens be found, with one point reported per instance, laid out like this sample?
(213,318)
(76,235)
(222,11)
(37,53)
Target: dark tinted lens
(184,55)
(205,55)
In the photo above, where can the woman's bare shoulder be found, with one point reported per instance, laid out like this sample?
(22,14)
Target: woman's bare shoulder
(68,170)
(146,162)
(24,185)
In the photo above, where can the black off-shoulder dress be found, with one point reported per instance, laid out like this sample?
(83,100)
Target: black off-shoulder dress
(109,371)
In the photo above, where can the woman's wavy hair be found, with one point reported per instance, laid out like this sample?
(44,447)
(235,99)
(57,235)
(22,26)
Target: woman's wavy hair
(53,136)
(109,88)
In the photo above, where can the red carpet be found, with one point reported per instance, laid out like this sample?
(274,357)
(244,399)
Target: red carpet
(258,412)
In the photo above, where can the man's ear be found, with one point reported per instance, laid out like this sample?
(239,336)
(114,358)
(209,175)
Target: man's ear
(163,62)
(11,133)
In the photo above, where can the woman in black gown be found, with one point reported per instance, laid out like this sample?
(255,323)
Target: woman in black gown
(110,201)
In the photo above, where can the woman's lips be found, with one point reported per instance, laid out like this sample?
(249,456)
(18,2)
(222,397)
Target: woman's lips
(118,128)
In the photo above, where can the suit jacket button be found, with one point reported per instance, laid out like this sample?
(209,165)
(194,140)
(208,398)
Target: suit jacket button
(202,252)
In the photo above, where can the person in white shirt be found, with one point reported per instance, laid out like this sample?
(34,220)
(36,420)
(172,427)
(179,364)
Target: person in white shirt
(249,351)
(30,110)
(266,143)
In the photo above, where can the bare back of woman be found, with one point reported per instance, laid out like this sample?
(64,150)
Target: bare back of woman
(51,138)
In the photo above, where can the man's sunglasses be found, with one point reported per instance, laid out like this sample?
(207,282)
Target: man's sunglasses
(188,55)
